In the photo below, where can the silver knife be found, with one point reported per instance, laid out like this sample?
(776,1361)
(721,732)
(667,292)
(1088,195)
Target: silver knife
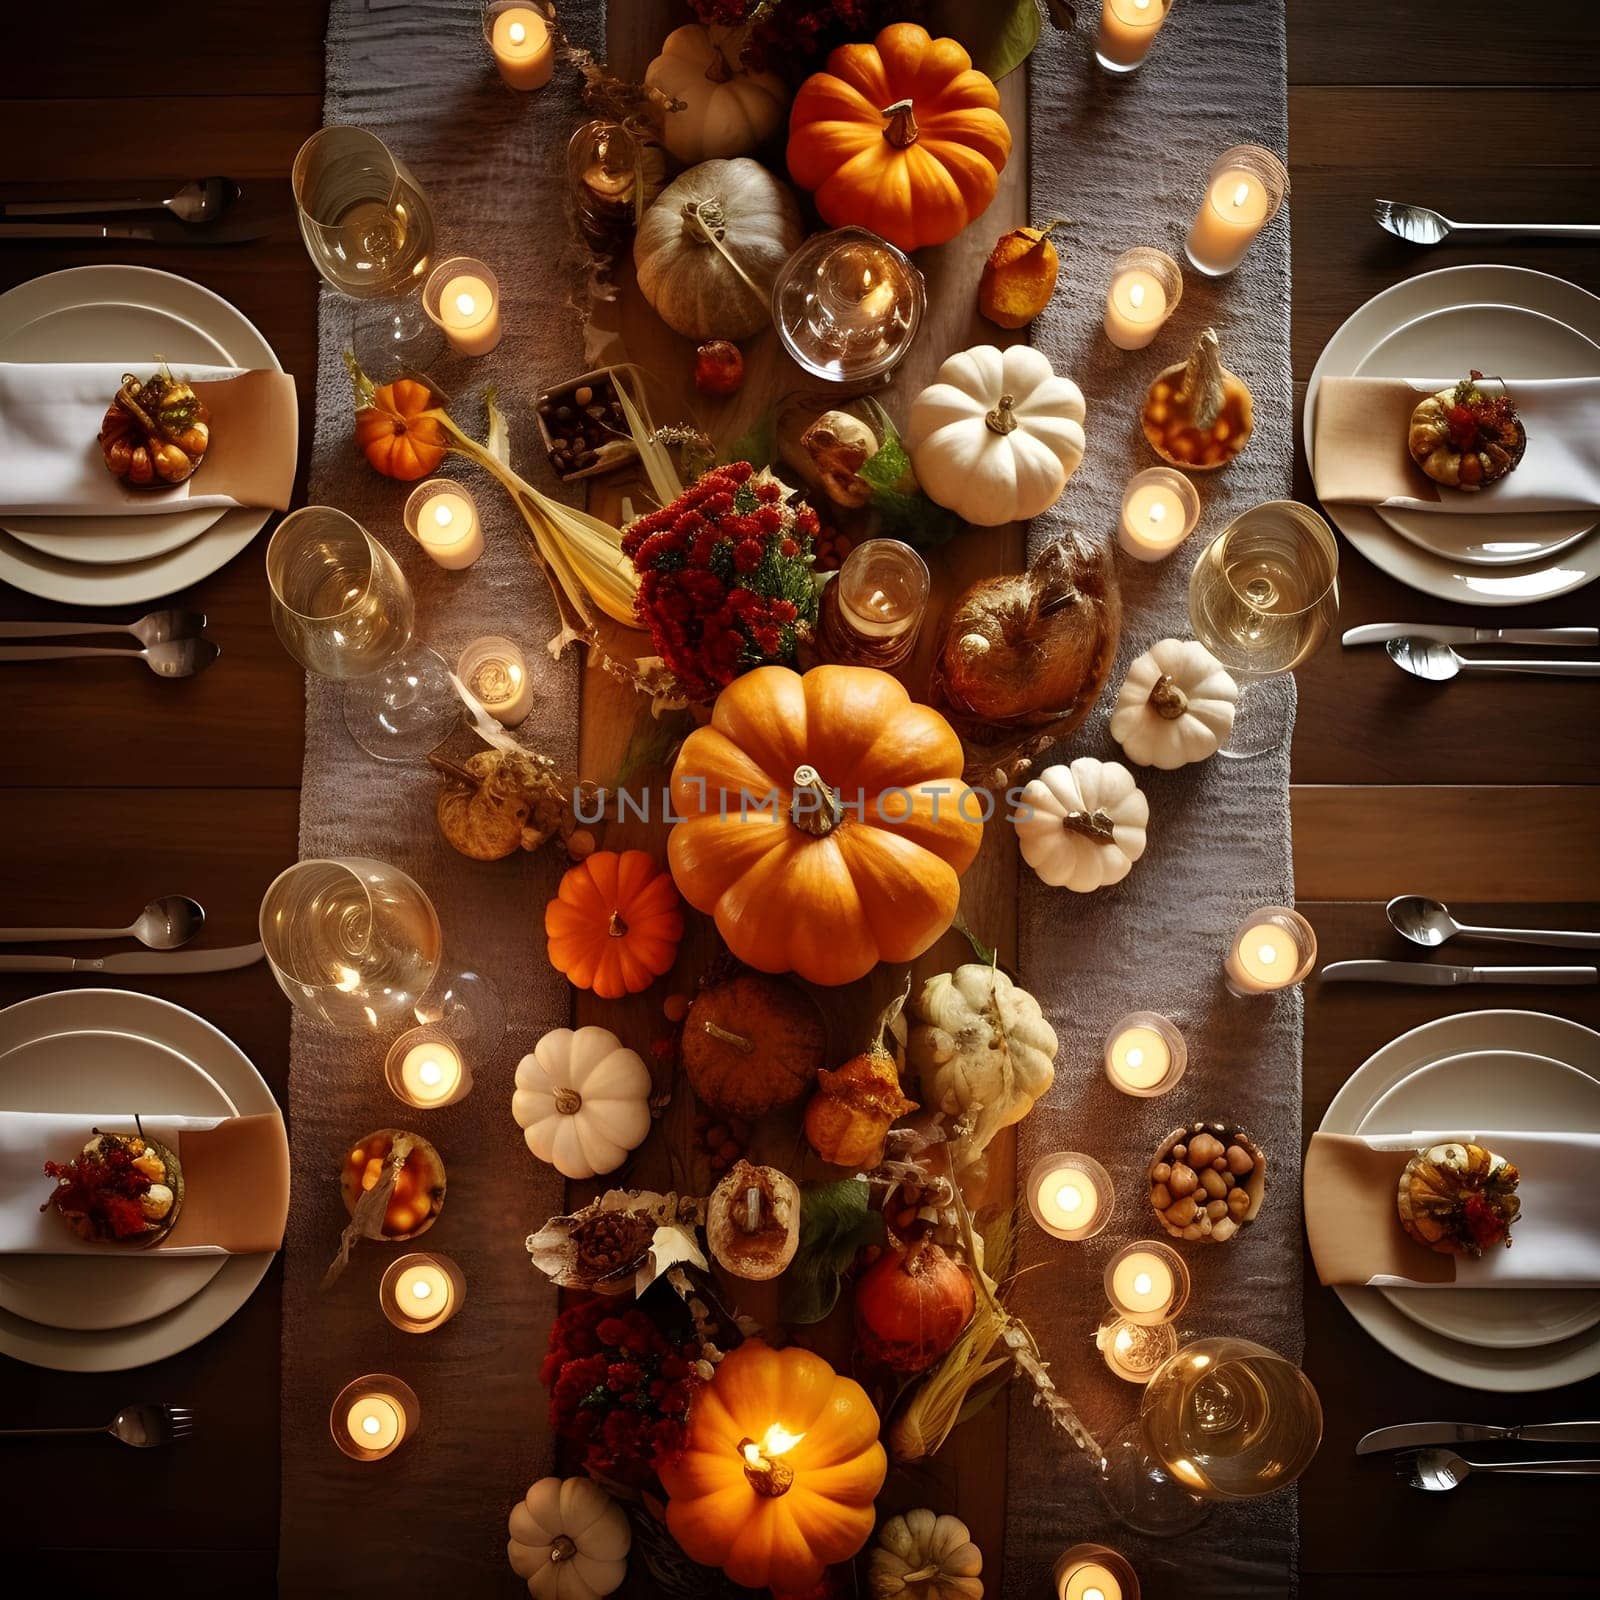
(154,962)
(124,230)
(1422,1433)
(1433,975)
(1380,632)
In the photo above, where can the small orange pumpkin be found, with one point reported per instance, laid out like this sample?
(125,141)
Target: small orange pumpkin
(781,1468)
(614,924)
(903,136)
(399,433)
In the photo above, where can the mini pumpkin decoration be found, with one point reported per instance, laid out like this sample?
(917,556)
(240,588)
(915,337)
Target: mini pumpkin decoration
(582,1101)
(751,1044)
(614,924)
(753,1221)
(826,826)
(1458,1198)
(997,434)
(903,136)
(569,1539)
(711,244)
(1019,277)
(849,1116)
(780,1469)
(1199,415)
(922,1555)
(1082,826)
(154,434)
(1465,438)
(499,801)
(398,432)
(912,1306)
(720,108)
(1175,706)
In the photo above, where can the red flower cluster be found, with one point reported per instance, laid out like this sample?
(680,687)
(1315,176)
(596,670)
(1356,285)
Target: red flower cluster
(724,577)
(797,33)
(619,1387)
(105,1187)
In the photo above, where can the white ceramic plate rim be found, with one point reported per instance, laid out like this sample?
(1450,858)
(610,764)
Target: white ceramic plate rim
(1498,1371)
(119,1349)
(1540,579)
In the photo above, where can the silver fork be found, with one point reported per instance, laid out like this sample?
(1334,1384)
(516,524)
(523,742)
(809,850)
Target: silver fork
(1438,1470)
(143,1427)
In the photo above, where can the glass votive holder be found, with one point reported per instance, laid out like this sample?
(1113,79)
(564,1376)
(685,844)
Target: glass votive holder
(872,610)
(443,518)
(521,37)
(847,305)
(1274,949)
(462,296)
(1160,509)
(1146,286)
(496,671)
(1147,1282)
(1133,1350)
(1070,1195)
(420,1292)
(1145,1055)
(1246,186)
(373,1416)
(1127,30)
(425,1069)
(1094,1572)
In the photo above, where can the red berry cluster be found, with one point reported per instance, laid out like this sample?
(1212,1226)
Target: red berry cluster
(724,577)
(799,32)
(105,1187)
(619,1388)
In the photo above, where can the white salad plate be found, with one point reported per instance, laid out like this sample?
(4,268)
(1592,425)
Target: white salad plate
(1505,321)
(134,315)
(100,1050)
(1500,1368)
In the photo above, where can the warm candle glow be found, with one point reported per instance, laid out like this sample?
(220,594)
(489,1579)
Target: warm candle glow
(517,33)
(1141,1283)
(1267,956)
(444,521)
(376,1422)
(1159,511)
(1136,307)
(1241,197)
(777,1440)
(1139,1058)
(1089,1581)
(494,669)
(524,50)
(431,1072)
(422,1293)
(462,296)
(1068,1197)
(1127,30)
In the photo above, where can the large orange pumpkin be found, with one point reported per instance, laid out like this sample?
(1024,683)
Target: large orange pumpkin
(780,1471)
(614,924)
(398,433)
(903,136)
(826,824)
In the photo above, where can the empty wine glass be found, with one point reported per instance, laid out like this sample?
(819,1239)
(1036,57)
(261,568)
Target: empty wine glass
(369,230)
(343,609)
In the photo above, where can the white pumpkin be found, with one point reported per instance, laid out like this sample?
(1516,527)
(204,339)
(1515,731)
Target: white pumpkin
(569,1539)
(582,1101)
(1175,706)
(1082,827)
(996,435)
(694,286)
(720,109)
(923,1556)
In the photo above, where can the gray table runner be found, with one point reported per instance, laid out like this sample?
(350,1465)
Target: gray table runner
(1126,161)
(490,159)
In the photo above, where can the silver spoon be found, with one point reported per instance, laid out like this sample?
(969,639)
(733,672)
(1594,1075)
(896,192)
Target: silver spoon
(143,1427)
(202,200)
(1419,225)
(1428,922)
(156,628)
(1438,663)
(175,658)
(1438,1470)
(164,924)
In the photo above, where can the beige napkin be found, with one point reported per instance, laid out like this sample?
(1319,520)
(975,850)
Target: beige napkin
(50,416)
(1362,457)
(235,1177)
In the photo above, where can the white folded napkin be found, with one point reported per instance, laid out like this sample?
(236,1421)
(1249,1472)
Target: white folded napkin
(1363,458)
(50,417)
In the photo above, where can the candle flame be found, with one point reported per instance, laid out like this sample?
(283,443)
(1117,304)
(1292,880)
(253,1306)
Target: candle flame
(431,1073)
(518,33)
(466,305)
(1142,1283)
(422,1289)
(1241,194)
(370,1425)
(1158,513)
(1267,954)
(1068,1197)
(1136,296)
(1094,1594)
(443,516)
(1136,1055)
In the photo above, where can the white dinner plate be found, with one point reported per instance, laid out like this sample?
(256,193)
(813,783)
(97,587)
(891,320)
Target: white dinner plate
(1506,1371)
(133,314)
(75,1050)
(1494,1089)
(1537,326)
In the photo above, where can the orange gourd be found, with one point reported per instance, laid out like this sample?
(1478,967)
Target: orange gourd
(780,1471)
(903,136)
(826,826)
(614,924)
(398,433)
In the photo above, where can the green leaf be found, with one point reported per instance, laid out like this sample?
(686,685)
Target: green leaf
(982,951)
(836,1223)
(1000,37)
(758,444)
(912,517)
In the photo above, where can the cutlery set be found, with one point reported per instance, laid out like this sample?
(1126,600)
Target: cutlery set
(1427,650)
(192,214)
(162,927)
(1422,1461)
(172,643)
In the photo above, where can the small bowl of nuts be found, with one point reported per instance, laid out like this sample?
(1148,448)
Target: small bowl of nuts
(584,428)
(1207,1180)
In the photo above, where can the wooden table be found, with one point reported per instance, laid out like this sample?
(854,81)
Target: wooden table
(117,786)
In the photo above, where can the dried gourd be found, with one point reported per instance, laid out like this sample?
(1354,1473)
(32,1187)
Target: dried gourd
(1199,415)
(500,801)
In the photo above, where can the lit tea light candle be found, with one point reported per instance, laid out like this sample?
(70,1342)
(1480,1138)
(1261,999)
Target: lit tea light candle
(1145,1055)
(1245,189)
(1132,1351)
(872,610)
(1092,1572)
(376,1423)
(1275,949)
(462,296)
(442,518)
(424,1069)
(421,1292)
(1160,509)
(1147,1282)
(1146,286)
(373,1416)
(1070,1195)
(1127,30)
(496,672)
(523,45)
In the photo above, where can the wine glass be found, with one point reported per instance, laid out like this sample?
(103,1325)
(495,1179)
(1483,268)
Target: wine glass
(1222,1419)
(1262,597)
(343,609)
(369,230)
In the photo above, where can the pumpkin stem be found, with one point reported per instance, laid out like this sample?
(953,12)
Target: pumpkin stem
(767,1477)
(921,1575)
(562,1548)
(1202,390)
(616,927)
(739,1042)
(820,812)
(901,130)
(1096,825)
(720,69)
(1167,699)
(704,220)
(568,1101)
(1003,419)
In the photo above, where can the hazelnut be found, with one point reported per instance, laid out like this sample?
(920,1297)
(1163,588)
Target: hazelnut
(1212,1183)
(1160,1172)
(1240,1160)
(1161,1195)
(1238,1202)
(1182,1211)
(1203,1150)
(1182,1181)
(583,395)
(1216,1210)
